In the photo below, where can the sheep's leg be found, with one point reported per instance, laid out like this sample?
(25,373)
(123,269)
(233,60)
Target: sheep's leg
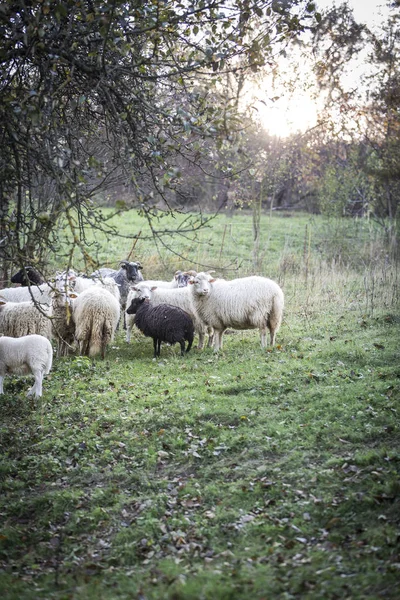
(272,334)
(210,332)
(182,344)
(201,332)
(1,384)
(221,342)
(217,340)
(36,389)
(158,347)
(263,336)
(155,347)
(275,318)
(190,342)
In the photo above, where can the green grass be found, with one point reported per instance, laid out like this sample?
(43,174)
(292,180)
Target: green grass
(248,474)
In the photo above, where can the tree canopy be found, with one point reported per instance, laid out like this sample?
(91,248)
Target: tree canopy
(141,100)
(103,93)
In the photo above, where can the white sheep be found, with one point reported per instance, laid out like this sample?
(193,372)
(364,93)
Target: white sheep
(40,293)
(180,297)
(96,312)
(83,283)
(108,283)
(244,303)
(18,319)
(27,354)
(180,279)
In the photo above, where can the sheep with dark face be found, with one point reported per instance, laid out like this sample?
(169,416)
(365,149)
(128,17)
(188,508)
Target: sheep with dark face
(27,276)
(37,292)
(163,323)
(129,273)
(179,297)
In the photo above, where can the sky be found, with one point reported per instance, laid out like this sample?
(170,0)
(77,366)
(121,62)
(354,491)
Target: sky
(298,112)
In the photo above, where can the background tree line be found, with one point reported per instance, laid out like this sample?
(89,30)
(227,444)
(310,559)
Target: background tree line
(140,105)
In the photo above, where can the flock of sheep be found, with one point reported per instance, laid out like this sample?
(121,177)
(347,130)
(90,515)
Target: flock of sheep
(81,313)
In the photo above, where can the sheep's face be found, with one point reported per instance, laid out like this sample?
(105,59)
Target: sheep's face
(65,280)
(132,270)
(134,305)
(182,279)
(62,298)
(27,276)
(143,292)
(202,284)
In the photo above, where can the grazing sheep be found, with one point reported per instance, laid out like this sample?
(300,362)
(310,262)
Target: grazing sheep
(96,314)
(180,297)
(163,323)
(244,303)
(19,319)
(27,276)
(27,354)
(129,273)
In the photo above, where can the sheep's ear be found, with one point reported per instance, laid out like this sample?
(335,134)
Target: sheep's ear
(2,302)
(212,280)
(73,295)
(153,288)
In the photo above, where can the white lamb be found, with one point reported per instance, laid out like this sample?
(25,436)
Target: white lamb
(96,313)
(28,354)
(244,303)
(180,297)
(18,319)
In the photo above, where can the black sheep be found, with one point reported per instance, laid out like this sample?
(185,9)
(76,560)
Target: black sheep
(27,276)
(163,323)
(129,273)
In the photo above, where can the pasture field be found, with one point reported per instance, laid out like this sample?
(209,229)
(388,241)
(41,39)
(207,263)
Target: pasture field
(251,474)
